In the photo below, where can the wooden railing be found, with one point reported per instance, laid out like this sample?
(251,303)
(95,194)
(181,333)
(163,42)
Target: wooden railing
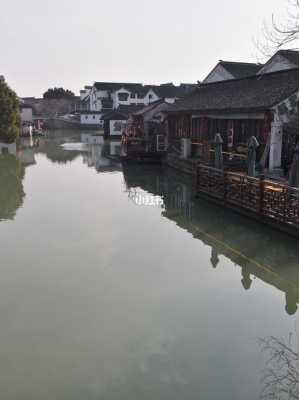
(231,160)
(269,199)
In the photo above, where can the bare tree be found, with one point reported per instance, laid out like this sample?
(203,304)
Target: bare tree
(281,34)
(281,376)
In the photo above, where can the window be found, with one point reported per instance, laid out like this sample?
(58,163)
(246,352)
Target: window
(93,117)
(133,95)
(86,116)
(123,96)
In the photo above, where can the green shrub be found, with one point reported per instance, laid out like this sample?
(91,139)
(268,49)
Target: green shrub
(10,120)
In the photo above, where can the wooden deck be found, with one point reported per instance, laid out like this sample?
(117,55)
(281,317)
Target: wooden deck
(269,201)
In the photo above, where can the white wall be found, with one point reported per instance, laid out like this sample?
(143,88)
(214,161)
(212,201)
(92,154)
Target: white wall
(96,97)
(169,100)
(91,119)
(150,97)
(219,73)
(95,105)
(117,127)
(101,94)
(116,101)
(89,138)
(278,63)
(84,93)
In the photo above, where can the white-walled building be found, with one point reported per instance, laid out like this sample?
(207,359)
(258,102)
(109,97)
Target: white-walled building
(91,118)
(115,121)
(85,92)
(104,97)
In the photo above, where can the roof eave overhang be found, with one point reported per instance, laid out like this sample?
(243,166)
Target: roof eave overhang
(248,110)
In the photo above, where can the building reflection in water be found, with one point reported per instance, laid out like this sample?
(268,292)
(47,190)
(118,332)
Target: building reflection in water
(257,249)
(59,147)
(63,147)
(100,154)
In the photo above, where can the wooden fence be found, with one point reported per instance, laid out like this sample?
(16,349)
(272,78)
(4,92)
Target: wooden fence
(270,200)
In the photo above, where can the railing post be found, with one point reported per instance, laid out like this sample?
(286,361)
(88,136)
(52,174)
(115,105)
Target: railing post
(262,192)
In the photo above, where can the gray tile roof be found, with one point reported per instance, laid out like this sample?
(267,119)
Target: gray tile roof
(172,91)
(149,107)
(252,94)
(163,91)
(290,55)
(240,69)
(112,86)
(123,112)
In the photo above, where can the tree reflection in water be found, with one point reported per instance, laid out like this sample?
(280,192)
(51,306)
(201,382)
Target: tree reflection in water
(12,194)
(281,376)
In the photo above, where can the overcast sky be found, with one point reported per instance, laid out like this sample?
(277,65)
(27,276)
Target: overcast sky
(71,43)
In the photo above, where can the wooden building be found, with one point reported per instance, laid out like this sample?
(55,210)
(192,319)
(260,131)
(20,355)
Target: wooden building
(149,121)
(258,105)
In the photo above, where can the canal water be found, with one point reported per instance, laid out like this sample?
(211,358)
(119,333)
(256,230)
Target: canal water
(116,283)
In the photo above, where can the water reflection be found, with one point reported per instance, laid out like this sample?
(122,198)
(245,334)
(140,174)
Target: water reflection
(280,378)
(105,299)
(59,147)
(12,194)
(259,251)
(98,156)
(65,147)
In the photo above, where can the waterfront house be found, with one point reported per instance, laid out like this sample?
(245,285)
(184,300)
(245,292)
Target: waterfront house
(115,121)
(104,97)
(144,136)
(258,105)
(148,122)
